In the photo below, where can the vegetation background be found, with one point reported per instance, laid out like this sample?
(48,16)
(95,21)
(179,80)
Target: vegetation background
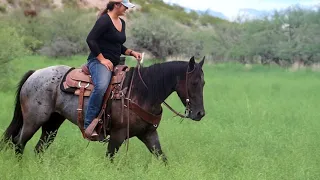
(164,31)
(262,118)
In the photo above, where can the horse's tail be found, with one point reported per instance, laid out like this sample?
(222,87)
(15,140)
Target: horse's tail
(17,120)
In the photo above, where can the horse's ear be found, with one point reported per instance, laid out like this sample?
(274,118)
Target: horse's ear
(201,62)
(191,63)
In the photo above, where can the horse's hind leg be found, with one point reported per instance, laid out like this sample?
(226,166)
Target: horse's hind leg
(49,132)
(26,133)
(32,121)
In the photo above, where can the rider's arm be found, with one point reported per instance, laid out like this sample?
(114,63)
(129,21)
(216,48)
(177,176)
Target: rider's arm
(98,29)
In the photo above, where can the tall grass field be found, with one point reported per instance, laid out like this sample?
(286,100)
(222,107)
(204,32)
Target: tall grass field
(261,123)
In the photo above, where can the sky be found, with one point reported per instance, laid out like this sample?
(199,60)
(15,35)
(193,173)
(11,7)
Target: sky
(230,8)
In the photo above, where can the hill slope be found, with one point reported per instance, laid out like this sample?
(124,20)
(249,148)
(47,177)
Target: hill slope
(180,14)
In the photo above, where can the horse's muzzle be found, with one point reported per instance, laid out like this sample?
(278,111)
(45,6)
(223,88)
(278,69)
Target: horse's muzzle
(197,116)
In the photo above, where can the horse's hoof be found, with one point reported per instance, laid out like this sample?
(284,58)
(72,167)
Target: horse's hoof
(105,140)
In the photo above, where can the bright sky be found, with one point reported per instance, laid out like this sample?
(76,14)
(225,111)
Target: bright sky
(230,7)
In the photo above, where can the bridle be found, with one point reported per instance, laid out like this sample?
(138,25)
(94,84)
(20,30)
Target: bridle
(187,100)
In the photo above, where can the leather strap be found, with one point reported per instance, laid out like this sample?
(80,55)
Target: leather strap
(105,100)
(174,111)
(80,111)
(122,108)
(103,110)
(146,116)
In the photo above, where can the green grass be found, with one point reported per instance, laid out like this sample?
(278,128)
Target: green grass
(260,123)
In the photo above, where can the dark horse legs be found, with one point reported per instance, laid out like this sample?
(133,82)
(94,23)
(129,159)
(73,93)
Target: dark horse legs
(151,140)
(117,137)
(49,132)
(26,133)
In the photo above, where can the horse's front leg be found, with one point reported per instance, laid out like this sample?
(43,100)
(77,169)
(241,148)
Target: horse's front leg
(151,140)
(117,137)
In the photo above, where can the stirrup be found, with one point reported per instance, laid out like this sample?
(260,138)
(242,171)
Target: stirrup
(90,132)
(91,136)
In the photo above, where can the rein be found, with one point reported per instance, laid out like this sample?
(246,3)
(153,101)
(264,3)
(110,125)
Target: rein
(128,104)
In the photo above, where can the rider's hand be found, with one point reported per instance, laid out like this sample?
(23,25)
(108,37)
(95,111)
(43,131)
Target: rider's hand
(137,55)
(107,63)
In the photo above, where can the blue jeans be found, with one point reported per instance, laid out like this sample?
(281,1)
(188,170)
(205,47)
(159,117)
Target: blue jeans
(101,77)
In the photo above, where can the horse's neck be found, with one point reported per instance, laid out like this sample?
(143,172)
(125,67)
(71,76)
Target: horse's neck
(160,85)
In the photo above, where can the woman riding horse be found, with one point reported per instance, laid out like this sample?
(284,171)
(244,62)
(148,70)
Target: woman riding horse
(105,41)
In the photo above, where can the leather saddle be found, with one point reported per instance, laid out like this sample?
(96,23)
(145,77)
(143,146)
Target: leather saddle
(78,82)
(76,78)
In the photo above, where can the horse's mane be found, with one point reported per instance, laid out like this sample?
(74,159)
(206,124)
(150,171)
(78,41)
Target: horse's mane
(160,79)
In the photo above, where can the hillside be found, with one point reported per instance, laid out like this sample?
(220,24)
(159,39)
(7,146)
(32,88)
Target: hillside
(166,31)
(186,17)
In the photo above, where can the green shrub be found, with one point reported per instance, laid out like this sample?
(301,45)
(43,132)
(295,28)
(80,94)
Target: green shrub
(50,29)
(11,47)
(182,17)
(33,31)
(163,37)
(68,27)
(60,48)
(32,43)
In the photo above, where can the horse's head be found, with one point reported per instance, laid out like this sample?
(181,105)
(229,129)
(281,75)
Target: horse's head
(190,90)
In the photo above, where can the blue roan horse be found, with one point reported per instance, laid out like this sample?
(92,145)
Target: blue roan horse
(40,103)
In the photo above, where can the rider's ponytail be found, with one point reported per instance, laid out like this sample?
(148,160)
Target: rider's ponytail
(110,7)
